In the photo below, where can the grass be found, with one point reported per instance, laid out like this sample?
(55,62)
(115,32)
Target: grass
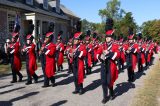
(7,68)
(148,95)
(4,68)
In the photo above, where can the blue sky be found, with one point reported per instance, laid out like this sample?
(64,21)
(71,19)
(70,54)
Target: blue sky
(143,10)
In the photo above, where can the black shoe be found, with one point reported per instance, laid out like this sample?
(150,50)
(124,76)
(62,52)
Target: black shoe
(29,82)
(75,92)
(54,84)
(104,101)
(36,80)
(139,71)
(90,72)
(87,73)
(129,80)
(69,72)
(112,97)
(81,91)
(14,81)
(20,79)
(61,67)
(44,86)
(132,80)
(58,70)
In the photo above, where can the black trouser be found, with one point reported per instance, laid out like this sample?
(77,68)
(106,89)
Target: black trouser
(120,65)
(35,77)
(130,73)
(105,90)
(88,68)
(86,63)
(15,73)
(70,68)
(140,66)
(77,86)
(46,79)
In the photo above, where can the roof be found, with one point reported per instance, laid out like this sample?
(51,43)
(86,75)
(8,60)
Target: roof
(63,8)
(67,11)
(32,8)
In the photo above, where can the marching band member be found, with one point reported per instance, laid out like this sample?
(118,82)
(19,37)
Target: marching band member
(68,51)
(60,51)
(108,54)
(131,54)
(88,58)
(14,51)
(78,61)
(29,50)
(47,52)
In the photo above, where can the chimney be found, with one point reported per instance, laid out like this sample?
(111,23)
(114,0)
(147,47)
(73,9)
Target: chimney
(58,6)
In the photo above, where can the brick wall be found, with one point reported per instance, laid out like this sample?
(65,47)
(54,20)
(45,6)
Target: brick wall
(3,26)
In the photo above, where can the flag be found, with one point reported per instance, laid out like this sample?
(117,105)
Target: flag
(16,26)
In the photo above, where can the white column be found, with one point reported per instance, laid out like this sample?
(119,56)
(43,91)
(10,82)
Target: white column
(34,31)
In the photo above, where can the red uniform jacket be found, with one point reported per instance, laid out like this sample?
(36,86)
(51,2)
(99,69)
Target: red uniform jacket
(143,49)
(122,54)
(15,52)
(60,50)
(134,52)
(89,54)
(80,63)
(114,54)
(50,66)
(95,48)
(150,52)
(31,58)
(68,51)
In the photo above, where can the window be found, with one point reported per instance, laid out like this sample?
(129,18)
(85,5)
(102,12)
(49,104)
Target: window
(45,4)
(11,22)
(30,2)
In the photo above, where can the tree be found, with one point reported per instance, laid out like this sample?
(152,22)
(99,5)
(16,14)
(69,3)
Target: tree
(122,20)
(127,22)
(85,25)
(112,10)
(151,29)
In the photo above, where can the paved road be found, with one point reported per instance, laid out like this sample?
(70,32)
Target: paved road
(19,94)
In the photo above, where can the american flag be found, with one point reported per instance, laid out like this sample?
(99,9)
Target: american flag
(16,21)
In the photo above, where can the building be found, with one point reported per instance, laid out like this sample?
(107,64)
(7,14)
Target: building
(38,12)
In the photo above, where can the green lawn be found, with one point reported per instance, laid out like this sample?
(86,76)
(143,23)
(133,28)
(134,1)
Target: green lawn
(148,95)
(7,68)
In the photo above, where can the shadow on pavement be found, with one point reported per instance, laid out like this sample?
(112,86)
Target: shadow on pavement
(10,102)
(24,96)
(122,88)
(8,91)
(59,103)
(138,75)
(6,103)
(39,77)
(61,75)
(6,86)
(5,75)
(96,71)
(66,81)
(95,84)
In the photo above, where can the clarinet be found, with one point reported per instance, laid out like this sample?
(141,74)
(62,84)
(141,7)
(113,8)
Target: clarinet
(74,54)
